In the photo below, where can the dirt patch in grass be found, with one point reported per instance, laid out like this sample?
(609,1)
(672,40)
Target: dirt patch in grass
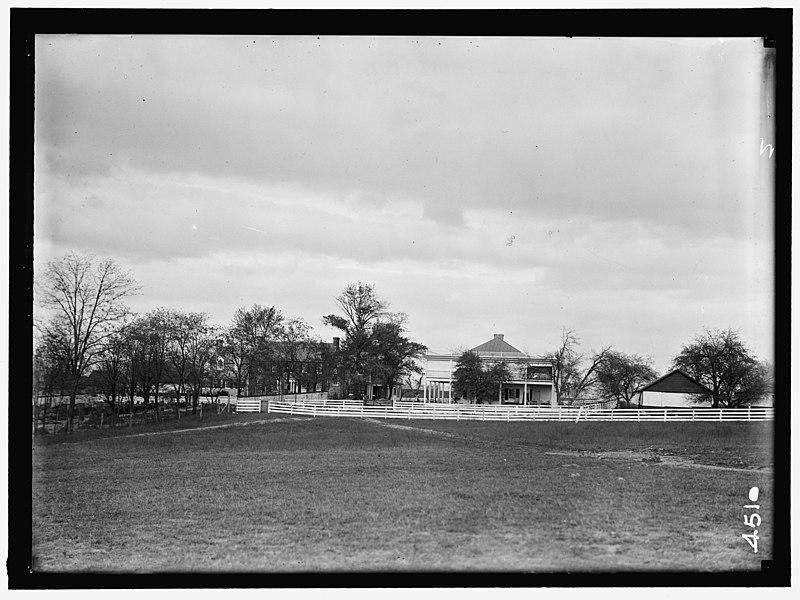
(668,460)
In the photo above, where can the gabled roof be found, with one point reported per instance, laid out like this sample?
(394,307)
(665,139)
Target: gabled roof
(677,382)
(497,345)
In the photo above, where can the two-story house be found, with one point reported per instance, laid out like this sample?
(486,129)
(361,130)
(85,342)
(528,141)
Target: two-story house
(531,376)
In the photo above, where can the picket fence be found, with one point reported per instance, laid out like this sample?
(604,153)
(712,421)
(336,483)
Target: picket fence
(465,412)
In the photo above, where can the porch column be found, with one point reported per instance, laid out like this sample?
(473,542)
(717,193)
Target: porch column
(450,399)
(524,393)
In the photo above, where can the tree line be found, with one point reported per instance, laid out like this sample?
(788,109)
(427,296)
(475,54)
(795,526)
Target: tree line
(717,359)
(91,338)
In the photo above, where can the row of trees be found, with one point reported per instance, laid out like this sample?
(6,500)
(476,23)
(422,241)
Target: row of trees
(718,359)
(91,338)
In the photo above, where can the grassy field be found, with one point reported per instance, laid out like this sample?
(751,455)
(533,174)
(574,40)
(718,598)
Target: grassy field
(302,494)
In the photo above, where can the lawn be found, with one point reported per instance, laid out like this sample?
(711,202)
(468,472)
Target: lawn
(328,494)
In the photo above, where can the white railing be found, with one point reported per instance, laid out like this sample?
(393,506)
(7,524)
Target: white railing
(248,404)
(466,412)
(318,401)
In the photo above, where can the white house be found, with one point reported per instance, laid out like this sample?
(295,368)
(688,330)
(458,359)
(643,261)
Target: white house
(532,376)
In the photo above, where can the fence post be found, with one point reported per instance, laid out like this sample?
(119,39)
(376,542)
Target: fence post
(665,415)
(291,409)
(748,413)
(720,414)
(362,411)
(692,414)
(314,408)
(638,415)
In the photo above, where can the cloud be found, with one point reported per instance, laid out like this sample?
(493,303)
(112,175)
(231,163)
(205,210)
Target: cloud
(595,127)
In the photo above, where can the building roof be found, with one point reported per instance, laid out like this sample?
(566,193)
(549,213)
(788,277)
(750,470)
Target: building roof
(676,382)
(497,346)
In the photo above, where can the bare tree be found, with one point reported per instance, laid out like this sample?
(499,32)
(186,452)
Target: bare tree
(185,328)
(413,381)
(86,295)
(49,376)
(570,379)
(149,338)
(112,371)
(566,362)
(249,343)
(201,343)
(292,350)
(588,379)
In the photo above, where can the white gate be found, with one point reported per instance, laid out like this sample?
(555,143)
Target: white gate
(248,405)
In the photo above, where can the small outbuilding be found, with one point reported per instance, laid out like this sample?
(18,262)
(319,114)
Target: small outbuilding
(673,383)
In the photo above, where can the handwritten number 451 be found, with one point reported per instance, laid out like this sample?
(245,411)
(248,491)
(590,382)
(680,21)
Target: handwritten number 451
(754,521)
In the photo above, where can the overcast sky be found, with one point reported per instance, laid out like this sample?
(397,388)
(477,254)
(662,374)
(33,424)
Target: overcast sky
(484,185)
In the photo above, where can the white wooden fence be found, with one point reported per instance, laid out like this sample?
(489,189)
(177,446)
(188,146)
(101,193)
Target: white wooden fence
(342,402)
(467,412)
(248,404)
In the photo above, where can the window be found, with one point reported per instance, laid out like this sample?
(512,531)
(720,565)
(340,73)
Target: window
(539,372)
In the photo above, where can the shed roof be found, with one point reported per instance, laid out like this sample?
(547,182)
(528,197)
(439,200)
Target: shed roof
(677,382)
(497,345)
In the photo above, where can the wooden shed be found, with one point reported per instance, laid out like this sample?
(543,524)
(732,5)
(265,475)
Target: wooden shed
(674,382)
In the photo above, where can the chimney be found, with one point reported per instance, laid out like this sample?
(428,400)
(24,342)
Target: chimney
(498,336)
(336,343)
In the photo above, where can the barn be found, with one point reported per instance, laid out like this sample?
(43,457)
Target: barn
(671,390)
